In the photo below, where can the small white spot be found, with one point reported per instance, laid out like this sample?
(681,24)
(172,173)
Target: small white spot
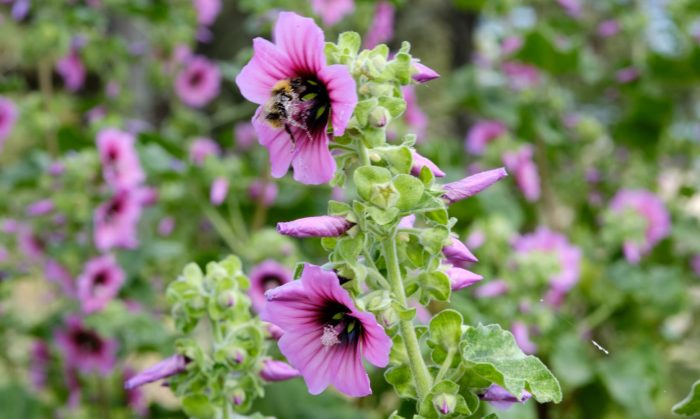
(330,336)
(597,345)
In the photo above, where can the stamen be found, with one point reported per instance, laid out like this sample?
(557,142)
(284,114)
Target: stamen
(330,335)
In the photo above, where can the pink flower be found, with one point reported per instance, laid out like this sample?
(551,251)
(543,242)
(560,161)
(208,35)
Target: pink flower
(116,221)
(608,28)
(544,240)
(57,273)
(299,95)
(521,334)
(511,44)
(166,368)
(524,169)
(332,11)
(521,76)
(99,283)
(244,135)
(500,398)
(207,11)
(381,29)
(199,82)
(166,226)
(84,349)
(476,239)
(201,148)
(321,226)
(472,185)
(572,7)
(39,365)
(423,73)
(649,207)
(627,75)
(219,191)
(416,119)
(462,278)
(72,70)
(40,207)
(265,276)
(120,161)
(492,289)
(695,265)
(8,117)
(481,134)
(419,162)
(277,371)
(263,192)
(325,335)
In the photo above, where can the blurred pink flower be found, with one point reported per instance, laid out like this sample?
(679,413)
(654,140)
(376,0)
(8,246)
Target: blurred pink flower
(198,82)
(627,75)
(608,28)
(381,29)
(116,221)
(264,192)
(695,264)
(521,333)
(8,118)
(57,273)
(72,70)
(219,191)
(491,289)
(481,134)
(39,365)
(266,276)
(572,7)
(166,226)
(39,208)
(416,119)
(84,349)
(521,76)
(521,165)
(99,283)
(207,11)
(244,135)
(201,148)
(121,167)
(332,11)
(649,207)
(476,239)
(511,44)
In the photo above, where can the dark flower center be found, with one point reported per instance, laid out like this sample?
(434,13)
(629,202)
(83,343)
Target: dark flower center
(101,278)
(196,78)
(87,341)
(298,103)
(339,327)
(116,206)
(270,281)
(112,154)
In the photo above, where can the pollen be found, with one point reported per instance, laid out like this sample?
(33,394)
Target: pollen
(330,336)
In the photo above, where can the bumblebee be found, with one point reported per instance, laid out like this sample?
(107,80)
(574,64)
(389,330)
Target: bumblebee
(295,103)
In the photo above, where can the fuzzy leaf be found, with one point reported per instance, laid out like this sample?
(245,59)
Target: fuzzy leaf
(446,328)
(410,191)
(491,353)
(366,177)
(402,380)
(691,404)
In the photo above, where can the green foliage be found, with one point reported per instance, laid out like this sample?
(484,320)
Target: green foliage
(691,404)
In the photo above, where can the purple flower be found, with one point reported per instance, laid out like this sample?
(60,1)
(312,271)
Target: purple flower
(521,334)
(263,192)
(499,397)
(416,119)
(608,28)
(511,44)
(84,349)
(627,75)
(325,335)
(492,289)
(423,73)
(245,135)
(278,371)
(99,283)
(299,95)
(521,76)
(572,7)
(265,276)
(462,278)
(219,191)
(8,117)
(120,161)
(72,70)
(38,369)
(198,82)
(652,209)
(30,244)
(695,265)
(524,169)
(419,162)
(207,11)
(476,239)
(321,226)
(332,11)
(116,221)
(164,369)
(39,208)
(544,240)
(166,226)
(382,27)
(20,9)
(482,133)
(201,148)
(457,253)
(472,185)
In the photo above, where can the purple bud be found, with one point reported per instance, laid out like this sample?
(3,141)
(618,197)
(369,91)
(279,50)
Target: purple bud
(277,371)
(219,190)
(164,369)
(321,226)
(501,398)
(39,208)
(423,73)
(419,162)
(472,185)
(492,289)
(275,331)
(462,278)
(457,252)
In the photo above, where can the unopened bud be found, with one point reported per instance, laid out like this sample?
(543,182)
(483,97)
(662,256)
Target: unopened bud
(375,157)
(384,195)
(379,117)
(445,403)
(238,397)
(227,299)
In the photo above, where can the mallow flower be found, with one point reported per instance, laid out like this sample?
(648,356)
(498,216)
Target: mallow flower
(298,96)
(462,278)
(419,162)
(99,283)
(72,70)
(319,226)
(481,134)
(207,11)
(120,161)
(332,11)
(201,148)
(325,336)
(265,276)
(652,210)
(116,221)
(198,82)
(521,164)
(8,117)
(382,27)
(84,349)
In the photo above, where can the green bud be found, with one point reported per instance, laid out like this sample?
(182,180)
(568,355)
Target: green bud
(375,157)
(227,299)
(238,397)
(445,403)
(379,117)
(384,195)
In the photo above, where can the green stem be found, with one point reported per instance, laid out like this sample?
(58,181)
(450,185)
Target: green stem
(363,154)
(415,357)
(224,230)
(446,365)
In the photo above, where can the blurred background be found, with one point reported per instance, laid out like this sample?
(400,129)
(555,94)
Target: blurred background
(590,251)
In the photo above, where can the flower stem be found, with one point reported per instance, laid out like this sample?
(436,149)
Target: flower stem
(446,365)
(415,357)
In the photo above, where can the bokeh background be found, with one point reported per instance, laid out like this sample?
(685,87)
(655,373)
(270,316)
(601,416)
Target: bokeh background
(590,250)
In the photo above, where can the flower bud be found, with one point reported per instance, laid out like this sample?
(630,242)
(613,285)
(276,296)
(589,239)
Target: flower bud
(321,226)
(456,252)
(238,397)
(472,185)
(423,73)
(462,278)
(219,190)
(277,371)
(164,369)
(445,403)
(419,162)
(227,299)
(384,195)
(379,117)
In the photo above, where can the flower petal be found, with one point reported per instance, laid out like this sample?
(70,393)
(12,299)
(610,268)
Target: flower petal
(343,94)
(302,41)
(278,143)
(350,377)
(376,344)
(313,163)
(268,66)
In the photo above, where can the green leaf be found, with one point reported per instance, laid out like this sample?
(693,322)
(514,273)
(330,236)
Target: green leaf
(446,328)
(398,157)
(362,110)
(410,191)
(366,177)
(691,404)
(396,106)
(402,379)
(198,406)
(491,353)
(435,285)
(349,42)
